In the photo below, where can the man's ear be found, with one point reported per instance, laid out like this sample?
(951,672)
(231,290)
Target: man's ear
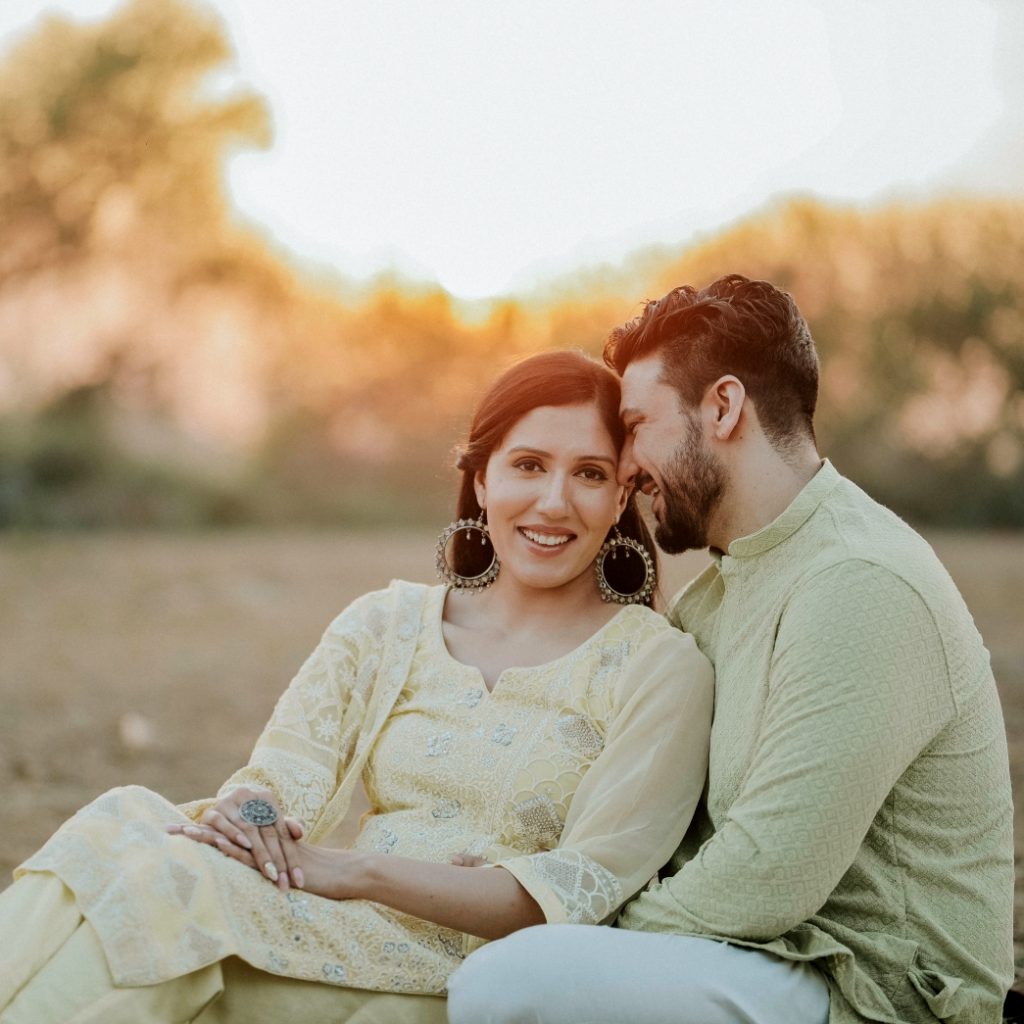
(723,406)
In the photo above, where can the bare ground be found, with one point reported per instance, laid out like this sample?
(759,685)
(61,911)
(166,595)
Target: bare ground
(156,659)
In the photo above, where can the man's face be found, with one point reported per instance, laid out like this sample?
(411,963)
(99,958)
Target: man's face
(667,457)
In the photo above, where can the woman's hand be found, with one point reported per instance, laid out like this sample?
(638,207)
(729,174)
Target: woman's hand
(335,874)
(270,849)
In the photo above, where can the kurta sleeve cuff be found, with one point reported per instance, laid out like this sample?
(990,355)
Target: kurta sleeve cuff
(569,887)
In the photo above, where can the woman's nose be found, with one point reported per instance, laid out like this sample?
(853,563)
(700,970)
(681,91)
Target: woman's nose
(553,499)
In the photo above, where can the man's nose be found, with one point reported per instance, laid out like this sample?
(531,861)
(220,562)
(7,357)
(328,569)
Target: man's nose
(628,466)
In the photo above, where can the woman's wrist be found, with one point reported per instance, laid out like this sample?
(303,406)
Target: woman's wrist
(351,874)
(365,875)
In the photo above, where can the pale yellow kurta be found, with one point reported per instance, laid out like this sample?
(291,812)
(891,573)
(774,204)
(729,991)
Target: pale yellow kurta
(578,776)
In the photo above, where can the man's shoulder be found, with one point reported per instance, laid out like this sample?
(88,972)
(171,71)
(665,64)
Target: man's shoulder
(849,531)
(697,600)
(865,552)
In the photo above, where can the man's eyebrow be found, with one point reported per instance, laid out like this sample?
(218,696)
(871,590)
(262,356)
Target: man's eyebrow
(547,455)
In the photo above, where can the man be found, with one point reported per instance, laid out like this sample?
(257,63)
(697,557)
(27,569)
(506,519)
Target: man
(854,861)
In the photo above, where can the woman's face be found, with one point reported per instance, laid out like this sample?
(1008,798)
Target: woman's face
(551,495)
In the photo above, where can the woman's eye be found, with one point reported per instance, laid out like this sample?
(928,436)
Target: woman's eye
(529,465)
(590,473)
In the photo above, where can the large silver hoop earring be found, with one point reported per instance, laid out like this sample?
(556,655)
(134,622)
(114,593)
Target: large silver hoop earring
(633,552)
(474,584)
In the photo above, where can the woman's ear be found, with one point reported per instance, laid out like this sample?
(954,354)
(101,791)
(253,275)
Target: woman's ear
(625,490)
(480,488)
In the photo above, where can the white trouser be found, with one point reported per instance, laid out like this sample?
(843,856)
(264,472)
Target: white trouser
(582,974)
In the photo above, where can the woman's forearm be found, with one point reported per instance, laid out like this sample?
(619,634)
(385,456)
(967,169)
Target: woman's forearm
(486,901)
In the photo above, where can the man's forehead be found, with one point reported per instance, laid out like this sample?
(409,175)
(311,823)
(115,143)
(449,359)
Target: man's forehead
(639,380)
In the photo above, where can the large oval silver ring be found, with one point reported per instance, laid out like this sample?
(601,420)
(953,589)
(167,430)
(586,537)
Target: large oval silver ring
(258,813)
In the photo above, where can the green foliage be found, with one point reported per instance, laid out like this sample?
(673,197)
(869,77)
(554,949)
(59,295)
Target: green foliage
(62,469)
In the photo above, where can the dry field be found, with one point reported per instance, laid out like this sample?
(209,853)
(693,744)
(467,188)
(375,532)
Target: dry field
(155,659)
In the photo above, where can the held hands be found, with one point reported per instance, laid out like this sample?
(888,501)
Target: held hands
(275,850)
(272,849)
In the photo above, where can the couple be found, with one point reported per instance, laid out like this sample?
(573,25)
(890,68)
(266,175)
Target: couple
(538,748)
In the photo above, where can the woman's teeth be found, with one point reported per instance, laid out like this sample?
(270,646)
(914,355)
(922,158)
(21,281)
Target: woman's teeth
(549,540)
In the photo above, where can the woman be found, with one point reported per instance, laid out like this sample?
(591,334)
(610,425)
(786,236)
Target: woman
(534,714)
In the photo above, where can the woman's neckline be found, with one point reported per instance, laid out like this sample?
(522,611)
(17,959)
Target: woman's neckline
(438,628)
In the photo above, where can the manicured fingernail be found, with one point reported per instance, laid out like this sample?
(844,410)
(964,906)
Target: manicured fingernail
(243,840)
(270,870)
(298,878)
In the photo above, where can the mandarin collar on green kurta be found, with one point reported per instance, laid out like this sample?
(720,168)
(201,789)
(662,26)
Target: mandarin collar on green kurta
(783,526)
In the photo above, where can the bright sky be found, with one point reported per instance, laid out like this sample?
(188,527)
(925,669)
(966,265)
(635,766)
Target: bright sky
(488,146)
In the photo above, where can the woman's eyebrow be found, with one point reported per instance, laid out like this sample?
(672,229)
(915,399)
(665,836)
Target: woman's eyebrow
(547,455)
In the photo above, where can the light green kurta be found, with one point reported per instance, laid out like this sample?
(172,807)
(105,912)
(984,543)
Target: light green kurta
(858,810)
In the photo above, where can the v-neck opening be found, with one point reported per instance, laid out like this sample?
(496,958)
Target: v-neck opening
(540,666)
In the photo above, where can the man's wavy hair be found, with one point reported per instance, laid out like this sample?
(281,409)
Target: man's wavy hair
(750,329)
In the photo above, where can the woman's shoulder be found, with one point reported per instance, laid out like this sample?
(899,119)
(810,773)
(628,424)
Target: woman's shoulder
(644,626)
(374,611)
(659,655)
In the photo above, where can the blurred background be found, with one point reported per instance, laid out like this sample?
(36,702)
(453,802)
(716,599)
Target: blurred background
(217,310)
(256,260)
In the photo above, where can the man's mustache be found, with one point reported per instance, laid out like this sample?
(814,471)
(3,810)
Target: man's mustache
(641,480)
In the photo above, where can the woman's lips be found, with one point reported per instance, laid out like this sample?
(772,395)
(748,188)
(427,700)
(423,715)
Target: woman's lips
(546,539)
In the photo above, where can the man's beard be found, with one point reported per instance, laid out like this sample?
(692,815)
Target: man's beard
(692,485)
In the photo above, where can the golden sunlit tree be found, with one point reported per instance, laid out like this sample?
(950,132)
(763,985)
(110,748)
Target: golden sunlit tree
(123,277)
(107,128)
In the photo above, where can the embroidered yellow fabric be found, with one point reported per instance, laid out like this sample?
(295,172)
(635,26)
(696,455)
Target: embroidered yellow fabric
(578,776)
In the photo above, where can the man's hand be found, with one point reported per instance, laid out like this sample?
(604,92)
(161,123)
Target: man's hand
(468,860)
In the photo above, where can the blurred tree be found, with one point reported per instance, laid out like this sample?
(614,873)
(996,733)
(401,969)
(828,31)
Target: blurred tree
(258,391)
(104,127)
(122,260)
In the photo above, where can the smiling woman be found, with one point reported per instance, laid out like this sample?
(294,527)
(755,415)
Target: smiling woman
(551,495)
(512,726)
(548,433)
